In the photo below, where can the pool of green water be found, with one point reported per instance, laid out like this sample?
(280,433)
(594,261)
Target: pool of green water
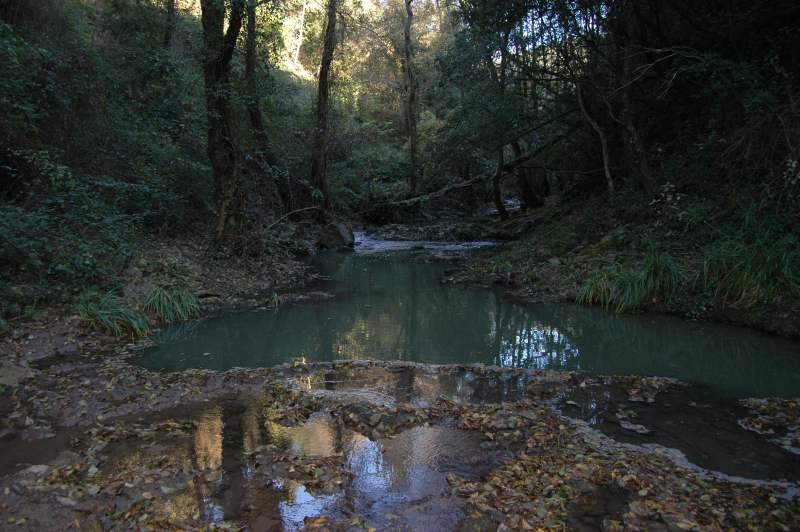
(394,306)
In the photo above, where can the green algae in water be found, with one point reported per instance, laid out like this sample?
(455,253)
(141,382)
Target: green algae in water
(392,306)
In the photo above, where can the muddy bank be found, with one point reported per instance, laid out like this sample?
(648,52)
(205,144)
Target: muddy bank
(359,445)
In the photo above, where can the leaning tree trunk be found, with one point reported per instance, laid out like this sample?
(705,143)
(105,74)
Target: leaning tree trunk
(319,151)
(603,140)
(410,90)
(218,48)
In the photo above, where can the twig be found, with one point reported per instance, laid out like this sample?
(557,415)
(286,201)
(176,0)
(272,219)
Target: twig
(282,218)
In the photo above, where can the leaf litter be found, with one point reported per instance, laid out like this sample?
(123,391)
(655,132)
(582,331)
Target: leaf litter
(363,445)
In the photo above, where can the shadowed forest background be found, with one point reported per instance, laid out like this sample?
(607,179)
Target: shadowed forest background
(633,152)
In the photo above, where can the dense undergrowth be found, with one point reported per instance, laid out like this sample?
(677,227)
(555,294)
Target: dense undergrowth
(101,129)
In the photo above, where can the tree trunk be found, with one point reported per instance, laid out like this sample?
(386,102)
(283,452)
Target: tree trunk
(253,108)
(645,174)
(218,48)
(603,140)
(497,194)
(410,89)
(528,197)
(319,151)
(500,79)
(297,38)
(169,28)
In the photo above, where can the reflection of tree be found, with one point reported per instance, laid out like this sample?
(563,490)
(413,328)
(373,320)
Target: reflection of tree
(208,439)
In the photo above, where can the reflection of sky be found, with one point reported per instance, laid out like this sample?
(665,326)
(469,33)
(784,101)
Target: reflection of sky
(301,504)
(372,475)
(538,347)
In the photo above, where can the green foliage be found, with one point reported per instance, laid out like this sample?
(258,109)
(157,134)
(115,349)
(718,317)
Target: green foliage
(626,289)
(598,289)
(630,290)
(167,304)
(108,312)
(661,276)
(371,169)
(747,271)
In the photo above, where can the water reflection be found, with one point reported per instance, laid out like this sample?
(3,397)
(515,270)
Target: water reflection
(300,504)
(418,386)
(404,476)
(394,308)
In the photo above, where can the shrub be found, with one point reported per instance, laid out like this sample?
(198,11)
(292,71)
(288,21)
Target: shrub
(108,312)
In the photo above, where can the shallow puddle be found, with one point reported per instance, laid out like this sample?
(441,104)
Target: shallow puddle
(252,470)
(702,426)
(360,445)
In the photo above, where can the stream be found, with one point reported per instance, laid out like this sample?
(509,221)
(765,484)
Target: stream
(390,304)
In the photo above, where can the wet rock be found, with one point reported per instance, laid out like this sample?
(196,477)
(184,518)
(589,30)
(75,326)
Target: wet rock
(633,427)
(12,374)
(38,470)
(336,236)
(66,501)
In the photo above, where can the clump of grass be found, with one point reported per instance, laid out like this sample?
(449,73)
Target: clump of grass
(625,289)
(598,289)
(662,277)
(109,313)
(630,291)
(746,273)
(171,304)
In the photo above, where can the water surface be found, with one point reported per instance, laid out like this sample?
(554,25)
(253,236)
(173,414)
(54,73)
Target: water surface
(392,305)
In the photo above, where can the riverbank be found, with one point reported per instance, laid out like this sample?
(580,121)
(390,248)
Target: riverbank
(689,257)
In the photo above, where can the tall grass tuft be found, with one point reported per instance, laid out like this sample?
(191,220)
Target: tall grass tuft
(166,305)
(630,291)
(747,272)
(662,277)
(108,312)
(625,289)
(598,289)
